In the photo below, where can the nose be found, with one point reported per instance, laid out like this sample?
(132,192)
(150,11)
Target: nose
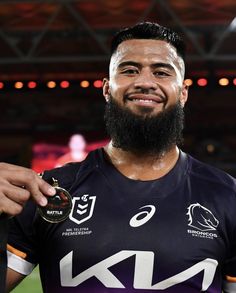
(145,80)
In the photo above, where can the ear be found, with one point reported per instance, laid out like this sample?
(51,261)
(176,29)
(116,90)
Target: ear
(106,89)
(184,94)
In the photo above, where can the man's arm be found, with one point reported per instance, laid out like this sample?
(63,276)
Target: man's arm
(13,279)
(17,185)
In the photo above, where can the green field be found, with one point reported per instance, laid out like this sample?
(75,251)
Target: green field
(30,284)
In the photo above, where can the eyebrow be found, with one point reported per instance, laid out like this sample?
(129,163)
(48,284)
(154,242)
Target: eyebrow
(128,63)
(163,65)
(154,65)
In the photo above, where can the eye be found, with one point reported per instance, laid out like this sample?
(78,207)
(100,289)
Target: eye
(129,71)
(161,73)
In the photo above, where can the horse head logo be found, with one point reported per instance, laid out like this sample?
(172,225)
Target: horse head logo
(201,218)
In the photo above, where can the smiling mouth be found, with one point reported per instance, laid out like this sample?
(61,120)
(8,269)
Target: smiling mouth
(145,101)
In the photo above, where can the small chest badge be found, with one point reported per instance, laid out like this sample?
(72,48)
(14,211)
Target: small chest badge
(83,208)
(58,207)
(201,218)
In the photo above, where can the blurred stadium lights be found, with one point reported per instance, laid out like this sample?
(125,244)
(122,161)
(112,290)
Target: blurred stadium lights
(195,82)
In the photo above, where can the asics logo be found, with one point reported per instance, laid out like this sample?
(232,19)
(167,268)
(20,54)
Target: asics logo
(142,217)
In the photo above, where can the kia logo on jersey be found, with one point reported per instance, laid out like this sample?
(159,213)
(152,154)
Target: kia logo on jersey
(83,207)
(143,272)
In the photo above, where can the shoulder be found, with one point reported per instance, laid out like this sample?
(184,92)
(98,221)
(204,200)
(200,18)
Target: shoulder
(212,175)
(69,173)
(66,173)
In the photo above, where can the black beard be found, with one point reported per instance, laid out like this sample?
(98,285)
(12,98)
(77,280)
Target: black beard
(149,134)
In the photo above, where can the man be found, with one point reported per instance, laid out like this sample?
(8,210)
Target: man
(146,217)
(12,199)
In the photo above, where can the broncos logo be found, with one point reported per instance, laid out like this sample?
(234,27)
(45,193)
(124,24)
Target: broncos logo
(201,218)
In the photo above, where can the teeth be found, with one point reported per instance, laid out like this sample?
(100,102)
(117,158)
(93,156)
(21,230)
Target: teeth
(143,100)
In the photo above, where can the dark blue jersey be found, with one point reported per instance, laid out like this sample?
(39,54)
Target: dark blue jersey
(175,234)
(3,257)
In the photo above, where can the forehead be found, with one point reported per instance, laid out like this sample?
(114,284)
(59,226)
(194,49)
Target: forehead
(146,50)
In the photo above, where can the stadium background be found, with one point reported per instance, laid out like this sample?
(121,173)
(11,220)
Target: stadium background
(54,54)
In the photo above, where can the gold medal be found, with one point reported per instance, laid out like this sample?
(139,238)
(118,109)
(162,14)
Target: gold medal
(58,207)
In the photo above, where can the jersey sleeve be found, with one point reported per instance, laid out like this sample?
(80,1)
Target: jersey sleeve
(22,241)
(3,259)
(230,274)
(230,265)
(23,249)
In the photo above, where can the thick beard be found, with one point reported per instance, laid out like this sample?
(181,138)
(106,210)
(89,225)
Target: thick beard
(149,134)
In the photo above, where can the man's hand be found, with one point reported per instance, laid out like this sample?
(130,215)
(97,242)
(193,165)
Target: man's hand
(17,185)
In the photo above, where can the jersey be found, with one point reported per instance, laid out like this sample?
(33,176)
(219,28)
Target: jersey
(3,257)
(175,234)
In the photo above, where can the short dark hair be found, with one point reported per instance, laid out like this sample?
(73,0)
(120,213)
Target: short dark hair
(149,30)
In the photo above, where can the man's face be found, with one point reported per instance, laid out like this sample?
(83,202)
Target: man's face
(146,76)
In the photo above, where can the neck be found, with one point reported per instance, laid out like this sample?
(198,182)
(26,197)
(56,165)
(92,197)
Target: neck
(142,167)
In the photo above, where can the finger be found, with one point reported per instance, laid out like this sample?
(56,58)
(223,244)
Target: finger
(10,167)
(18,175)
(38,188)
(21,176)
(15,193)
(45,187)
(10,207)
